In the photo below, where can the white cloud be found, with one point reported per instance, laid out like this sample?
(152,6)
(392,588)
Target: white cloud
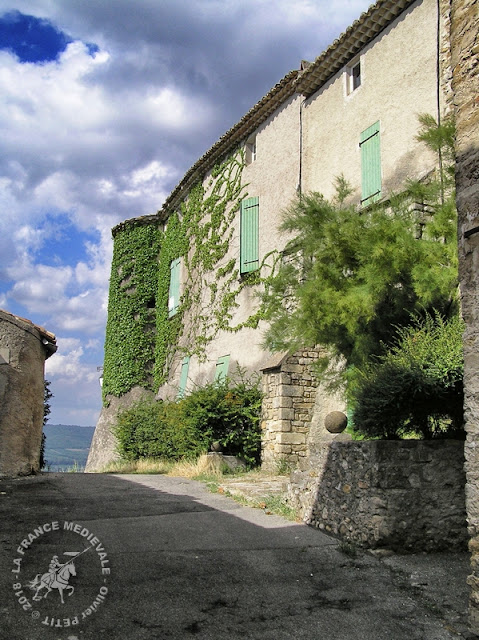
(66,367)
(87,141)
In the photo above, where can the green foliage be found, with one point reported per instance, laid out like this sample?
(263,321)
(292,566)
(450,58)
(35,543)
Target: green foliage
(226,411)
(130,331)
(211,282)
(351,275)
(158,430)
(416,388)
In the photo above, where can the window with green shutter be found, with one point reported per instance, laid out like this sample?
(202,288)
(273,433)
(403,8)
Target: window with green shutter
(174,292)
(221,370)
(183,376)
(249,235)
(370,164)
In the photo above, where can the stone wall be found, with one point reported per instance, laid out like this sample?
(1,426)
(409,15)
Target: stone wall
(289,390)
(24,348)
(465,65)
(103,448)
(402,495)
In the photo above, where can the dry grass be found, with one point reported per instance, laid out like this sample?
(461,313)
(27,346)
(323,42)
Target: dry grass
(145,465)
(202,466)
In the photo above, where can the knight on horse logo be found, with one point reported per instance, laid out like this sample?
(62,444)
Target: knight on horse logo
(57,577)
(57,572)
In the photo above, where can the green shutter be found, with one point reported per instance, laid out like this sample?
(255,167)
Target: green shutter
(183,376)
(174,292)
(249,235)
(222,368)
(370,164)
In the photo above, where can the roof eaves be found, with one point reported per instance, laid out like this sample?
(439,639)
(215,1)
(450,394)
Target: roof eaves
(241,130)
(367,27)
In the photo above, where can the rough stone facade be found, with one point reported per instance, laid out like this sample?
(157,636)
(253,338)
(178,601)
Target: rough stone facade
(402,495)
(289,390)
(465,65)
(24,347)
(103,448)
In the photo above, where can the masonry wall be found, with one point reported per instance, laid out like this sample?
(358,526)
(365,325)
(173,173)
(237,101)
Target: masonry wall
(399,80)
(22,360)
(291,408)
(406,495)
(272,177)
(465,64)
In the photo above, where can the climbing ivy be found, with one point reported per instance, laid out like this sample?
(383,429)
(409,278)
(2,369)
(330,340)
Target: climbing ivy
(142,340)
(200,234)
(130,331)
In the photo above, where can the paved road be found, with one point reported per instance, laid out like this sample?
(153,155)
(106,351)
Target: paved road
(159,557)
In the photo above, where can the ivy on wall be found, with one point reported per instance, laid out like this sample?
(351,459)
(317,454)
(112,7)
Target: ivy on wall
(130,331)
(142,341)
(201,236)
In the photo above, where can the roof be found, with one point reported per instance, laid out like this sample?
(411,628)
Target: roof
(47,338)
(363,30)
(304,81)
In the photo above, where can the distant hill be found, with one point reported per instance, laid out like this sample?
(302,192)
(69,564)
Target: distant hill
(67,446)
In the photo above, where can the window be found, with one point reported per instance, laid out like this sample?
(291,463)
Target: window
(353,76)
(183,376)
(250,150)
(174,292)
(370,164)
(221,370)
(249,235)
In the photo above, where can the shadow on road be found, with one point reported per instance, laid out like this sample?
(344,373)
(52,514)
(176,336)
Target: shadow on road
(184,562)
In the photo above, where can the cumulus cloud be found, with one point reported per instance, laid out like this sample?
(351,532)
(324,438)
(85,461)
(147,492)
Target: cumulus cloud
(102,129)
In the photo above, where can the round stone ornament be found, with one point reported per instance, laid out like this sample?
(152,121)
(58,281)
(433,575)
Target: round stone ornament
(336,422)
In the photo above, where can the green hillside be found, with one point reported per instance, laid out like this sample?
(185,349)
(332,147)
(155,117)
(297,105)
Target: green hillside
(67,446)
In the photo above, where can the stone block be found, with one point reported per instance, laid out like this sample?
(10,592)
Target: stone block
(291,391)
(291,438)
(292,368)
(282,402)
(286,414)
(282,448)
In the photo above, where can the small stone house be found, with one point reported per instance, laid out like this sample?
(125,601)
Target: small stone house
(24,347)
(183,306)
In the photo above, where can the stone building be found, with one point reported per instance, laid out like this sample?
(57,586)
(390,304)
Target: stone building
(183,304)
(24,347)
(465,65)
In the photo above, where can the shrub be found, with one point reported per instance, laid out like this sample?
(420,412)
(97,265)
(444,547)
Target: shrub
(226,411)
(416,388)
(153,429)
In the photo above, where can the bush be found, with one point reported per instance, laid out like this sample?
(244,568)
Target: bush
(223,411)
(416,388)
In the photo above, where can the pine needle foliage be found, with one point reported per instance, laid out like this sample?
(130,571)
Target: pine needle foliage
(416,388)
(350,276)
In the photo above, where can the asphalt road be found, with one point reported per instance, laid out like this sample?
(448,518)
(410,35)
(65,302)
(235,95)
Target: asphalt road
(143,557)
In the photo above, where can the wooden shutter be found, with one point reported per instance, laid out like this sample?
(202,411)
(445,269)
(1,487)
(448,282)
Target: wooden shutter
(174,292)
(249,235)
(370,164)
(183,376)
(221,370)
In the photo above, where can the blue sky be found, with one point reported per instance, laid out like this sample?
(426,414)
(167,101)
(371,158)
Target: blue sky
(103,107)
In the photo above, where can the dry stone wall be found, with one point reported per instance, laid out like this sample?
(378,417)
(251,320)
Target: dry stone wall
(403,495)
(289,389)
(465,66)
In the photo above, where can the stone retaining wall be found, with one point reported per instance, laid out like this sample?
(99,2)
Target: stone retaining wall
(403,495)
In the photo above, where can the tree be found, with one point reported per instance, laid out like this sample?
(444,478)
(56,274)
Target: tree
(351,276)
(47,396)
(416,387)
